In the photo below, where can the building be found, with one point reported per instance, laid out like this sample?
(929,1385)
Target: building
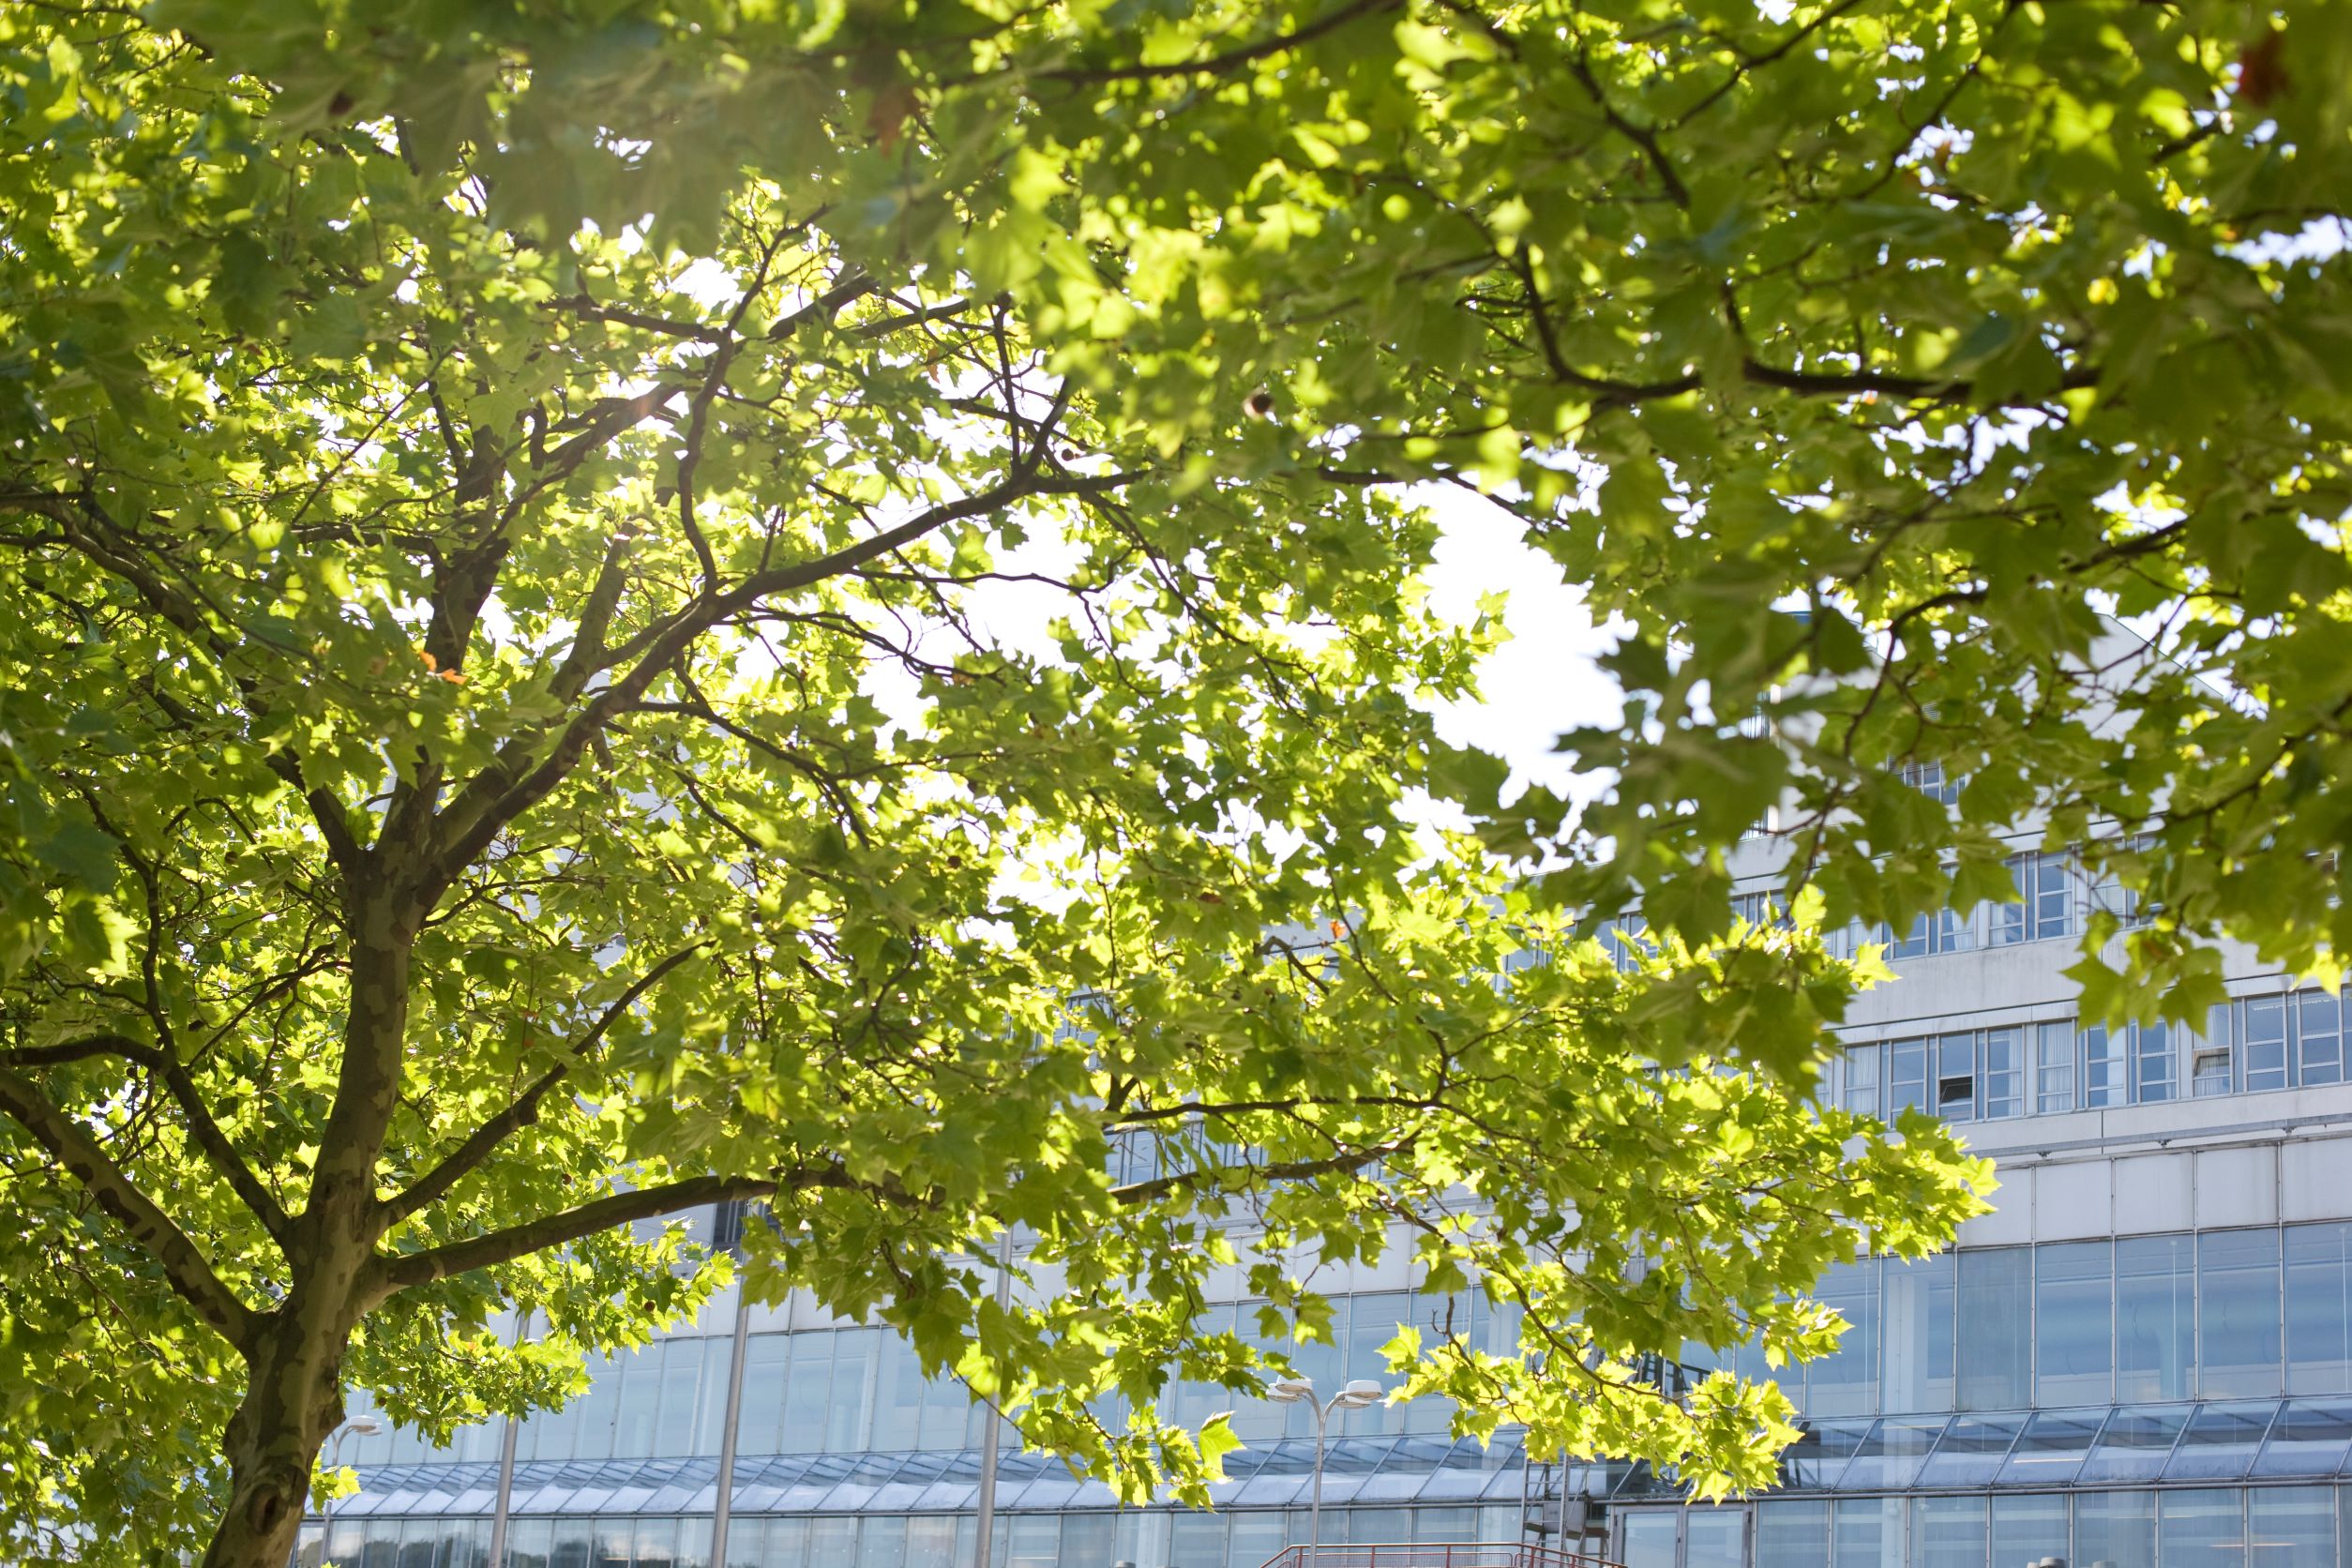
(2143,1356)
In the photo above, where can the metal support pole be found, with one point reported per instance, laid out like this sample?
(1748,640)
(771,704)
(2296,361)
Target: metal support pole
(724,1507)
(506,1466)
(1315,1510)
(985,1503)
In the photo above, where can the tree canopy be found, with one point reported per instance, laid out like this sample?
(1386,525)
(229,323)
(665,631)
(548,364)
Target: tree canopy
(509,728)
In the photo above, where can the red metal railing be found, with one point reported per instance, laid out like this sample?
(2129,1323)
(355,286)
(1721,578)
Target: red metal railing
(1456,1554)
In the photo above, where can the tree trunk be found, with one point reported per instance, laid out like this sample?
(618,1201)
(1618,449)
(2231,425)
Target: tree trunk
(292,1400)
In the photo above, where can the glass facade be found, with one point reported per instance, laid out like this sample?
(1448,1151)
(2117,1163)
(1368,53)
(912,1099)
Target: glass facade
(2167,1397)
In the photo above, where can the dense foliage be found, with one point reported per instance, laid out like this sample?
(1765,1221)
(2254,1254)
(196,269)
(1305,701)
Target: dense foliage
(507,513)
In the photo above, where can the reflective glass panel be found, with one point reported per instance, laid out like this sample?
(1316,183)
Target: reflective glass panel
(883,1541)
(1198,1538)
(833,1543)
(1846,1381)
(2119,1528)
(657,1544)
(2318,1308)
(2238,1312)
(1867,1533)
(1995,1323)
(807,1393)
(2074,1331)
(2027,1528)
(1792,1534)
(1948,1532)
(2291,1527)
(760,1427)
(1649,1539)
(1916,1335)
(2203,1529)
(1715,1538)
(2155,1316)
(931,1542)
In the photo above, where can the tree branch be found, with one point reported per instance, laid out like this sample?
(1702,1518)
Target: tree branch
(1216,64)
(392,1274)
(184,1263)
(478,1145)
(513,783)
(202,1129)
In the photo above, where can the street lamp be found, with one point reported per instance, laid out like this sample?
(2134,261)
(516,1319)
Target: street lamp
(357,1426)
(1359,1394)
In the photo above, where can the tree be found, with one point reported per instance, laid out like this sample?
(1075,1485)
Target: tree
(505,735)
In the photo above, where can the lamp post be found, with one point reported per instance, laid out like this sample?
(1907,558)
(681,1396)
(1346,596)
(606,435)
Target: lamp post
(360,1426)
(1357,1395)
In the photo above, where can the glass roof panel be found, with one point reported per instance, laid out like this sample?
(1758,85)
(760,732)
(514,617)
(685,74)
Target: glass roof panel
(1283,1470)
(1464,1473)
(1408,1468)
(1971,1451)
(2053,1447)
(2221,1441)
(1818,1457)
(1890,1457)
(2136,1443)
(2311,1438)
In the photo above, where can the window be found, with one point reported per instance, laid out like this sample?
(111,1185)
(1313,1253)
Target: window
(2047,902)
(1933,780)
(2265,1020)
(2318,1039)
(2054,1067)
(2074,1309)
(2004,1050)
(2238,1314)
(1917,939)
(1955,1077)
(2212,1056)
(2155,1071)
(1907,1076)
(1860,1092)
(2103,1067)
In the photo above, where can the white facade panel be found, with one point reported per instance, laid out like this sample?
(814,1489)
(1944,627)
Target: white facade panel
(2073,1201)
(2236,1186)
(2152,1192)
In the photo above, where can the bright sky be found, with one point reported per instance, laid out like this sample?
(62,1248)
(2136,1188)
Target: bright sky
(1543,680)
